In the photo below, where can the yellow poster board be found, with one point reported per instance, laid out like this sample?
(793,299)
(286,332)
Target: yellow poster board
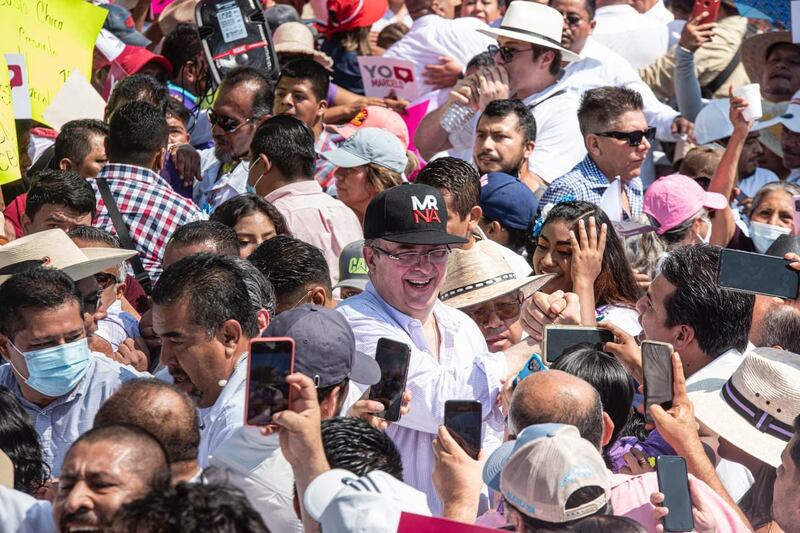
(56,37)
(9,153)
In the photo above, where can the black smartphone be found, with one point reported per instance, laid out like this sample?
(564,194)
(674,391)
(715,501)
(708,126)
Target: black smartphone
(393,358)
(673,483)
(463,420)
(658,378)
(559,339)
(757,273)
(270,361)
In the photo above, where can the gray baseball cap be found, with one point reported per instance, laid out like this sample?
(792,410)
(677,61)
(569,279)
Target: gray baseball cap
(325,347)
(370,145)
(352,267)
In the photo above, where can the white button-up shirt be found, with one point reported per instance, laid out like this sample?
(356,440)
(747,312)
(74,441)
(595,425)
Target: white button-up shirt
(465,370)
(215,187)
(638,38)
(603,67)
(21,513)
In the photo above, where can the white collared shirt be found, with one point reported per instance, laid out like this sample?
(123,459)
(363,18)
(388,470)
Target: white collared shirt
(601,67)
(214,187)
(218,422)
(638,38)
(660,13)
(751,184)
(465,370)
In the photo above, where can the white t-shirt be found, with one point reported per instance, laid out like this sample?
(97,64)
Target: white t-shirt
(761,177)
(638,38)
(390,17)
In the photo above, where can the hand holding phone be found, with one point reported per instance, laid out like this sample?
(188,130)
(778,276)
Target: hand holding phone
(757,274)
(673,483)
(559,339)
(709,6)
(658,377)
(463,419)
(393,358)
(270,361)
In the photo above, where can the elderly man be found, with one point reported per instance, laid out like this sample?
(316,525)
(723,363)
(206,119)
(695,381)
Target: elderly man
(406,250)
(528,66)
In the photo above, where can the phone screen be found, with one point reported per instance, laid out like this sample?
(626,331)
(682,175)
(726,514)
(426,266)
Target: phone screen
(463,419)
(673,482)
(393,358)
(657,370)
(757,273)
(267,391)
(561,340)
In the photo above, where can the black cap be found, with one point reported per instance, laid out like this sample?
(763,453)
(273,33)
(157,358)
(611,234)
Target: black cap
(409,214)
(278,14)
(783,245)
(325,347)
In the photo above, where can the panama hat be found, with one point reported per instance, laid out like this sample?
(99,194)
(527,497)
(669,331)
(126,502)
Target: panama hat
(53,248)
(533,23)
(755,408)
(481,274)
(296,38)
(754,51)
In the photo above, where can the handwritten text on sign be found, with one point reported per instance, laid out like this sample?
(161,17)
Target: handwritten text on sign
(9,154)
(383,76)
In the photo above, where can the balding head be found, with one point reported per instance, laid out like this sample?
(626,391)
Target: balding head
(557,397)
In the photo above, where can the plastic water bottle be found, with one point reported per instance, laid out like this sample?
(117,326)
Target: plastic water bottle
(456,117)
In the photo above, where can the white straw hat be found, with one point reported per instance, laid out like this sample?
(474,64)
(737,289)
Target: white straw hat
(296,38)
(533,23)
(53,248)
(712,122)
(481,274)
(754,410)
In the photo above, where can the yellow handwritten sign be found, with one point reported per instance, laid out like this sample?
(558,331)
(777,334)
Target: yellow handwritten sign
(56,37)
(9,154)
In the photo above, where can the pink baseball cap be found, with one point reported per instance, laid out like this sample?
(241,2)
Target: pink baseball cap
(374,116)
(674,199)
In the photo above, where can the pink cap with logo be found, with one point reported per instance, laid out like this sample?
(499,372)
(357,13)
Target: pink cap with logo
(674,199)
(374,116)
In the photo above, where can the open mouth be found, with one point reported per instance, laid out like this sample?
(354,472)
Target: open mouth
(78,528)
(419,285)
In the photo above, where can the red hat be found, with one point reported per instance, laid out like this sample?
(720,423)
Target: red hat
(134,58)
(374,116)
(346,15)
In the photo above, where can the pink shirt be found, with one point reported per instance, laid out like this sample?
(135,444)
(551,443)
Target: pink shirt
(630,496)
(316,218)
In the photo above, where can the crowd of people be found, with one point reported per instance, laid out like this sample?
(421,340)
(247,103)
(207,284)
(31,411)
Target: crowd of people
(579,163)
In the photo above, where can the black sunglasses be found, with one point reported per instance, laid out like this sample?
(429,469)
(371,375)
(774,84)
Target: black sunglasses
(634,138)
(505,52)
(227,124)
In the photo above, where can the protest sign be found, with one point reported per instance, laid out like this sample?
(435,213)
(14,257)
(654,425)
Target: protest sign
(18,74)
(77,99)
(56,36)
(383,76)
(796,21)
(9,153)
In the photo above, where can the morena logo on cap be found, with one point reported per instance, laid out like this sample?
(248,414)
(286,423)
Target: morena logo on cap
(357,265)
(427,209)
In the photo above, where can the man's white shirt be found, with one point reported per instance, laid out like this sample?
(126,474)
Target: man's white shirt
(638,38)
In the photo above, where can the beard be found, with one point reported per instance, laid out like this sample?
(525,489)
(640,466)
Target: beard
(223,155)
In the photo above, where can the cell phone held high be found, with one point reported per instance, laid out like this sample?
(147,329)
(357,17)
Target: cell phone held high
(673,483)
(393,359)
(270,361)
(709,6)
(757,274)
(560,339)
(463,420)
(658,377)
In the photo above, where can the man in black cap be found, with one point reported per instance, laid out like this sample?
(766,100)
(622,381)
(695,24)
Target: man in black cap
(406,250)
(325,351)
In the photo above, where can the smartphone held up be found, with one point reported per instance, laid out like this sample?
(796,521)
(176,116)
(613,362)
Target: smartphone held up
(393,358)
(270,362)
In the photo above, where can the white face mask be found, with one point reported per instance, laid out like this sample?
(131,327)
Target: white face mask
(763,235)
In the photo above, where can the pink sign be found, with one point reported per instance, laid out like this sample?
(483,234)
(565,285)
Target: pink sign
(414,523)
(157,6)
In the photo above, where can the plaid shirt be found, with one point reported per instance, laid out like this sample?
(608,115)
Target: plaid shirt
(588,183)
(328,140)
(150,208)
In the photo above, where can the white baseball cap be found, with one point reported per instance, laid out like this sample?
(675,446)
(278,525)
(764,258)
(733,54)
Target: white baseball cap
(343,502)
(712,122)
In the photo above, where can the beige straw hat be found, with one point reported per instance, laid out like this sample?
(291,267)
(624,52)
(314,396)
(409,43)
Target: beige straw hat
(481,274)
(296,38)
(754,51)
(53,248)
(754,410)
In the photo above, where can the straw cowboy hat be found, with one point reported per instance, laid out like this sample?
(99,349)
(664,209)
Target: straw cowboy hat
(755,408)
(481,274)
(296,38)
(533,23)
(53,248)
(754,51)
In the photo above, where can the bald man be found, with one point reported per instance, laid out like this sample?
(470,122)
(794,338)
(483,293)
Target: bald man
(164,411)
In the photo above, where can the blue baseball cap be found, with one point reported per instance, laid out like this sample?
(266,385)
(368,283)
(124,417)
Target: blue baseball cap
(506,199)
(498,460)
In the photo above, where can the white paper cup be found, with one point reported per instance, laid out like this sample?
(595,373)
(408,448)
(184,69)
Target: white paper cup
(751,93)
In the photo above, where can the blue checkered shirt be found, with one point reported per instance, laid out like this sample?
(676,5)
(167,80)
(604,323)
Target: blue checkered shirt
(588,183)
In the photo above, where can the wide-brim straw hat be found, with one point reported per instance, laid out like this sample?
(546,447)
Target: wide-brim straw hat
(54,249)
(754,408)
(533,23)
(754,51)
(296,38)
(481,274)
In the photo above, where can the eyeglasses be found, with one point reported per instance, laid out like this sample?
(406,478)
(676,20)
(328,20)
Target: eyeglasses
(105,280)
(406,259)
(505,52)
(634,138)
(504,310)
(226,124)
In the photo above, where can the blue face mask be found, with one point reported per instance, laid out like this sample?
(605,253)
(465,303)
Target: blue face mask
(56,370)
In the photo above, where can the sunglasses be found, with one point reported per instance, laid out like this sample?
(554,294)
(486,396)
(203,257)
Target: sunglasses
(505,52)
(573,19)
(634,138)
(226,124)
(105,280)
(504,310)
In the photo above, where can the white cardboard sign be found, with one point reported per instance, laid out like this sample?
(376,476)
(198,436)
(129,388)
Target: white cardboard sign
(18,75)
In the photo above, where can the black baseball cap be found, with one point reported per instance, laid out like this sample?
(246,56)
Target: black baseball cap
(325,347)
(409,214)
